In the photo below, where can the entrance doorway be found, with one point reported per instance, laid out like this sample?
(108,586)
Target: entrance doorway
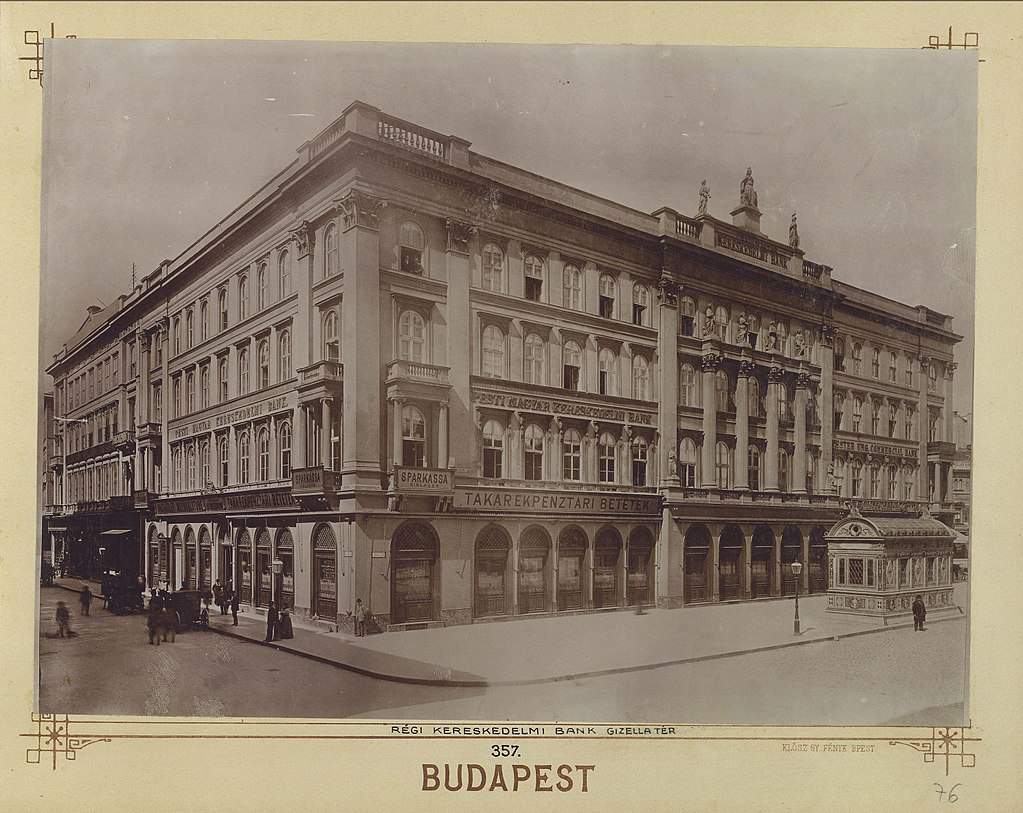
(414,585)
(606,563)
(205,560)
(325,573)
(730,561)
(571,554)
(191,559)
(534,549)
(762,564)
(696,564)
(286,553)
(245,567)
(264,591)
(492,547)
(818,564)
(791,546)
(641,546)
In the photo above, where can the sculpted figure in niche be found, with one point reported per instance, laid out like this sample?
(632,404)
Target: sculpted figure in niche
(708,321)
(800,344)
(772,337)
(672,465)
(742,330)
(747,194)
(704,197)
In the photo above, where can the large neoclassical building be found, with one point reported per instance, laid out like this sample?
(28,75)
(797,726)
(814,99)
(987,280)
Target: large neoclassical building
(408,373)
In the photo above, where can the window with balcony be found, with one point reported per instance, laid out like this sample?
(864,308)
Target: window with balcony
(222,372)
(640,378)
(493,352)
(284,449)
(411,336)
(721,391)
(606,458)
(687,316)
(411,245)
(753,457)
(572,369)
(243,299)
(261,295)
(244,453)
(687,463)
(573,287)
(535,273)
(534,371)
(284,275)
(413,437)
(263,454)
(243,371)
(330,256)
(571,455)
(639,461)
(493,450)
(263,356)
(640,305)
(607,372)
(533,438)
(607,294)
(222,307)
(284,355)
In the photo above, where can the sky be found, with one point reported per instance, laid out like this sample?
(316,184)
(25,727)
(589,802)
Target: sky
(147,144)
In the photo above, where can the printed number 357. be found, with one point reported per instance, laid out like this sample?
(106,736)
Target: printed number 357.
(504,750)
(950,795)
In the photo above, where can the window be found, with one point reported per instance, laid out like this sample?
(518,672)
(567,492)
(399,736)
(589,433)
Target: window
(875,363)
(493,449)
(752,329)
(573,287)
(411,336)
(190,393)
(874,411)
(204,321)
(283,275)
(204,387)
(640,305)
(841,571)
(331,340)
(893,483)
(284,351)
(222,365)
(533,363)
(907,484)
(573,359)
(157,403)
(493,352)
(908,428)
(910,361)
(811,472)
(892,421)
(571,455)
(177,345)
(932,428)
(264,364)
(534,278)
(782,331)
(204,465)
(243,457)
(875,482)
(857,414)
(263,455)
(534,452)
(606,458)
(857,478)
(783,402)
(783,470)
(335,440)
(687,386)
(722,464)
(639,458)
(284,449)
(855,571)
(607,372)
(607,291)
(222,303)
(721,322)
(176,392)
(893,370)
(243,371)
(492,268)
(191,468)
(754,468)
(687,463)
(413,437)
(133,358)
(932,377)
(179,477)
(330,259)
(243,299)
(687,316)
(411,246)
(640,378)
(721,390)
(857,359)
(261,300)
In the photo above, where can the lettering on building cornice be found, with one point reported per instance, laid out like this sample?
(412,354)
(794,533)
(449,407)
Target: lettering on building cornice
(565,408)
(472,499)
(261,409)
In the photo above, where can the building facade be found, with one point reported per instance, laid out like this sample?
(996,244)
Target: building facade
(408,373)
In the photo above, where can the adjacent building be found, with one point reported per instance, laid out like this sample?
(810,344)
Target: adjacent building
(408,373)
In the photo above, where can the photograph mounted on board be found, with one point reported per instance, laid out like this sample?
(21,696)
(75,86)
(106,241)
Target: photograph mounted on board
(506,382)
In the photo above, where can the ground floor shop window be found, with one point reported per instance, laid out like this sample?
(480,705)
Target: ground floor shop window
(205,568)
(325,573)
(571,554)
(606,556)
(245,567)
(285,552)
(762,563)
(491,568)
(696,563)
(730,564)
(534,547)
(638,575)
(414,574)
(791,545)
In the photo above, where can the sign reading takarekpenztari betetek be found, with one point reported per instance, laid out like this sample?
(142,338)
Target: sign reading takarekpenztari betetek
(473,499)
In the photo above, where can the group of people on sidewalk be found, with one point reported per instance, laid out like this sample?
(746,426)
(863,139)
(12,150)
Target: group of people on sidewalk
(161,620)
(278,624)
(226,597)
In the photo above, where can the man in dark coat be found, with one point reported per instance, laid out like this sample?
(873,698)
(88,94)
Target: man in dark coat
(919,614)
(271,622)
(284,627)
(85,599)
(218,596)
(63,620)
(234,608)
(153,621)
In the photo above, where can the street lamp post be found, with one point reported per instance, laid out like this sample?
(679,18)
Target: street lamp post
(797,569)
(277,567)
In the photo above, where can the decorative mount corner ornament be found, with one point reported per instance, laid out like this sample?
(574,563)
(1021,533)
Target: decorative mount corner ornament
(775,374)
(303,236)
(459,235)
(709,364)
(668,290)
(359,209)
(827,335)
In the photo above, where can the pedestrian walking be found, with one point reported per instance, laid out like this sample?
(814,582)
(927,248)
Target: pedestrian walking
(284,628)
(234,609)
(153,621)
(63,620)
(85,599)
(919,614)
(168,623)
(218,596)
(271,622)
(360,618)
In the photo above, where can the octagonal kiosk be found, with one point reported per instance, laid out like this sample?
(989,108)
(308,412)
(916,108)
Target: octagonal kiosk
(878,565)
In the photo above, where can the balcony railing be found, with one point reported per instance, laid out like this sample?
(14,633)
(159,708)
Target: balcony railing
(322,371)
(687,227)
(314,481)
(411,137)
(417,371)
(815,271)
(125,439)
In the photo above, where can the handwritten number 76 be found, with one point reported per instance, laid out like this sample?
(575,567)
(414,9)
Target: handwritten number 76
(949,795)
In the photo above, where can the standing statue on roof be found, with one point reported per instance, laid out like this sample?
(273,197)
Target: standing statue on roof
(704,197)
(747,194)
(793,232)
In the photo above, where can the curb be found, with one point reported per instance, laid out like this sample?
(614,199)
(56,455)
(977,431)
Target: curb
(482,683)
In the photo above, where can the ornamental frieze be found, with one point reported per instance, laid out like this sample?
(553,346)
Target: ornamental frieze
(554,406)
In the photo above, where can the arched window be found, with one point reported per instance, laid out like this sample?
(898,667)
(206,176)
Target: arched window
(411,336)
(573,286)
(175,392)
(783,337)
(875,482)
(204,464)
(284,274)
(191,468)
(261,300)
(910,363)
(909,478)
(875,363)
(856,469)
(753,392)
(243,299)
(263,454)
(607,372)
(190,392)
(893,370)
(932,377)
(493,352)
(857,414)
(179,483)
(893,483)
(284,449)
(639,459)
(492,268)
(752,329)
(223,458)
(857,355)
(222,371)
(783,470)
(687,386)
(331,339)
(571,455)
(493,449)
(910,415)
(413,437)
(189,328)
(723,464)
(222,305)
(534,361)
(204,387)
(243,371)
(606,458)
(687,316)
(204,321)
(535,274)
(687,463)
(244,452)
(330,262)
(264,364)
(753,458)
(608,293)
(533,438)
(721,322)
(573,361)
(284,353)
(177,349)
(640,378)
(640,304)
(721,390)
(412,244)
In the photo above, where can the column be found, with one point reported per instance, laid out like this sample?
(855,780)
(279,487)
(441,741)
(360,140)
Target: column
(827,410)
(459,350)
(710,423)
(950,368)
(747,562)
(804,577)
(770,465)
(667,384)
(922,417)
(742,425)
(396,447)
(799,461)
(442,436)
(715,562)
(776,564)
(326,405)
(937,482)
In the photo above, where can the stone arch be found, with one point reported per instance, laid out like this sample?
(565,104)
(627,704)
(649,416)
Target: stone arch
(762,576)
(534,565)
(696,560)
(490,572)
(731,563)
(415,574)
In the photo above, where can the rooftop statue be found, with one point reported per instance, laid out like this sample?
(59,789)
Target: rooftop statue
(747,194)
(704,197)
(793,232)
